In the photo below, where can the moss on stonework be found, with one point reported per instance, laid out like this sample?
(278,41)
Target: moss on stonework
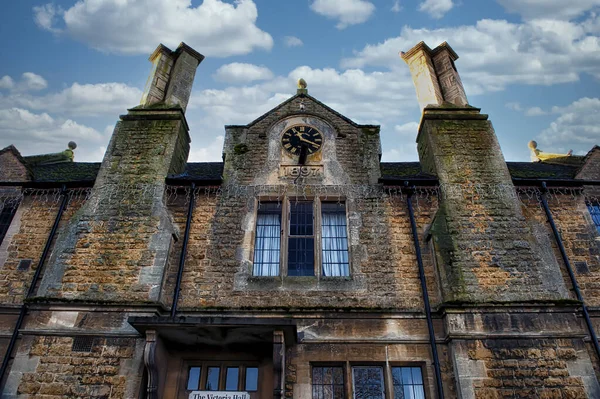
(370,131)
(240,149)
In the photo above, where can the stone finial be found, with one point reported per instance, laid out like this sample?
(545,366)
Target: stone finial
(538,155)
(170,81)
(69,152)
(302,87)
(434,75)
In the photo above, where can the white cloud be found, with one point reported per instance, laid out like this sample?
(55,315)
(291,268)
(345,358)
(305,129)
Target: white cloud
(436,8)
(31,81)
(292,41)
(45,16)
(6,82)
(377,97)
(532,111)
(237,72)
(407,129)
(577,127)
(80,99)
(35,133)
(211,153)
(214,28)
(396,7)
(551,9)
(347,12)
(497,53)
(535,111)
(515,106)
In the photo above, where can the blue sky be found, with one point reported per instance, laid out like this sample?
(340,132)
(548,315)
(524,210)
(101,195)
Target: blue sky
(70,68)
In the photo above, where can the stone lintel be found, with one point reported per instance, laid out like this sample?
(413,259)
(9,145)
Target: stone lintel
(514,322)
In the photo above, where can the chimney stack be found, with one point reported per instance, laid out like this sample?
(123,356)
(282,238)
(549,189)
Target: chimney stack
(170,81)
(434,75)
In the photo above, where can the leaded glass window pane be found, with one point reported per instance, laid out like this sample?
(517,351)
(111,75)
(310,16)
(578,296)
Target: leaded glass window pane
(368,382)
(328,382)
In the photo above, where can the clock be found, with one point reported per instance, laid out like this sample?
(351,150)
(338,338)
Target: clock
(297,136)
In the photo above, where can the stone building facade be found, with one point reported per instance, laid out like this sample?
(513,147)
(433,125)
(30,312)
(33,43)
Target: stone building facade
(301,266)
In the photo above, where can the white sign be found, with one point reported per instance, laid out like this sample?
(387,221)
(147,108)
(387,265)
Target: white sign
(219,395)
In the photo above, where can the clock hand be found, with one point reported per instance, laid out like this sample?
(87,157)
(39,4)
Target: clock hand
(308,141)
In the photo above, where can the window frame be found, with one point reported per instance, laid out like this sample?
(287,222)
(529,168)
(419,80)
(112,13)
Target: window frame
(241,365)
(388,382)
(285,234)
(7,214)
(593,208)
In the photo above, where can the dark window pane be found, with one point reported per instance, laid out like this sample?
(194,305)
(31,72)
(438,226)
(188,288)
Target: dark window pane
(327,375)
(338,375)
(231,378)
(193,379)
(301,256)
(251,379)
(368,382)
(301,218)
(318,375)
(8,207)
(212,380)
(328,382)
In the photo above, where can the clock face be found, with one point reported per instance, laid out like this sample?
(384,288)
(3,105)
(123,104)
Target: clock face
(296,136)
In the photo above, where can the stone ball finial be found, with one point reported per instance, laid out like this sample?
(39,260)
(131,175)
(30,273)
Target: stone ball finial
(302,83)
(532,145)
(72,145)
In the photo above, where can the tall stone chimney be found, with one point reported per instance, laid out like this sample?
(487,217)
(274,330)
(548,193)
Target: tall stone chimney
(434,74)
(116,247)
(486,252)
(172,76)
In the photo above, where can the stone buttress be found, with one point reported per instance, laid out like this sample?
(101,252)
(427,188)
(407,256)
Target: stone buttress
(511,324)
(112,251)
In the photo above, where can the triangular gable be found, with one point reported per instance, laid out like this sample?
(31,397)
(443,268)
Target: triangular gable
(13,167)
(310,98)
(590,169)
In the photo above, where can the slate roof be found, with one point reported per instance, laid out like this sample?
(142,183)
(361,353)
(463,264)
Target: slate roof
(201,171)
(539,170)
(403,170)
(66,172)
(212,171)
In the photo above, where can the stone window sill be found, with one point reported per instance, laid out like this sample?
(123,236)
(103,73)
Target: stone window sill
(246,282)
